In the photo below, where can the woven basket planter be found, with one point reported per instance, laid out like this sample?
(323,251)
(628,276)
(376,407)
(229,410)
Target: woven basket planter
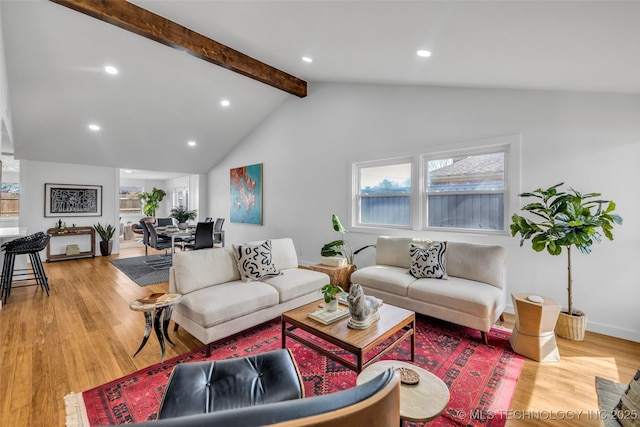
(571,327)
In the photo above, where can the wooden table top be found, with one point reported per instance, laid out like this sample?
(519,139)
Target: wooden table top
(169,299)
(392,319)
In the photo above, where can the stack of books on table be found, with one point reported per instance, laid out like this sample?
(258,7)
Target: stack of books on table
(326,317)
(153,298)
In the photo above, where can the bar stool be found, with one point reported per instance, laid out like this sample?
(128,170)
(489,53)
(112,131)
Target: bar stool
(29,245)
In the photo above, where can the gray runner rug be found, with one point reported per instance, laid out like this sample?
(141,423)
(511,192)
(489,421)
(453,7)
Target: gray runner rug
(145,274)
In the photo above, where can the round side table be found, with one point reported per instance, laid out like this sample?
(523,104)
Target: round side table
(419,402)
(164,305)
(533,335)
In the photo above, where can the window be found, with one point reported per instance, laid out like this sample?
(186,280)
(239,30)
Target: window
(465,191)
(129,201)
(384,193)
(10,198)
(461,187)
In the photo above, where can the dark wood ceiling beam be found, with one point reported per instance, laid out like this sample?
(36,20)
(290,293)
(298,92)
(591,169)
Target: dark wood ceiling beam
(155,27)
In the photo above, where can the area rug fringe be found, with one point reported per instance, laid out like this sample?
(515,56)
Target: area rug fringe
(76,411)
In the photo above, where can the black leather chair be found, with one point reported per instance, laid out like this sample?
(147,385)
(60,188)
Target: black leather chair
(244,384)
(203,238)
(163,222)
(151,239)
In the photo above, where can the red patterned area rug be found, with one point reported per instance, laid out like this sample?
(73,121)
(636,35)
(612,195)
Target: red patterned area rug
(481,379)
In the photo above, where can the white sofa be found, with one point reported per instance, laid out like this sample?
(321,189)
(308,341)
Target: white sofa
(472,296)
(217,302)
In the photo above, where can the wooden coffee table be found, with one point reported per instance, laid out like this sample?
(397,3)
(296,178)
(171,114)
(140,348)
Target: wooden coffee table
(357,342)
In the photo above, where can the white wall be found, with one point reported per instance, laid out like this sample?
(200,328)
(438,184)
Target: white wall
(591,141)
(33,176)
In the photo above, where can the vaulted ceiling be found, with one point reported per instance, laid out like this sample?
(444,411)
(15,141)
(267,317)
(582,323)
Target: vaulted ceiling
(162,97)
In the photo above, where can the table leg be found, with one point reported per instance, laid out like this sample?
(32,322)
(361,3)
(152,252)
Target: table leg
(413,341)
(284,337)
(157,325)
(147,331)
(165,323)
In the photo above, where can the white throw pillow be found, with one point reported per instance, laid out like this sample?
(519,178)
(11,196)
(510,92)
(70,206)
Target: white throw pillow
(254,262)
(428,262)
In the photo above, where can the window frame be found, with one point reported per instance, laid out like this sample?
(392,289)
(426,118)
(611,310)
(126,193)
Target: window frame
(424,193)
(357,197)
(510,144)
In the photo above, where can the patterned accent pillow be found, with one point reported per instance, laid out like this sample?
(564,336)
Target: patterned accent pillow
(627,412)
(254,262)
(428,262)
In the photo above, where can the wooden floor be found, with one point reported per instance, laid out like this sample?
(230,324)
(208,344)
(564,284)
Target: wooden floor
(84,334)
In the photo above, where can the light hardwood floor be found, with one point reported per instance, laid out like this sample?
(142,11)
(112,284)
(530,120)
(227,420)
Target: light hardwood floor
(84,334)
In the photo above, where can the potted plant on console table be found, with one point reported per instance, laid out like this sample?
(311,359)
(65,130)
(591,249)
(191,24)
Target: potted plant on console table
(106,234)
(183,215)
(566,219)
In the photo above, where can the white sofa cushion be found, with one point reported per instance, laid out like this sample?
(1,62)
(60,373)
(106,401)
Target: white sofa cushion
(227,301)
(473,261)
(395,250)
(283,252)
(195,270)
(466,296)
(395,280)
(296,282)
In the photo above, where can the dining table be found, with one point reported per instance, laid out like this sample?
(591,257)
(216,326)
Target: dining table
(174,233)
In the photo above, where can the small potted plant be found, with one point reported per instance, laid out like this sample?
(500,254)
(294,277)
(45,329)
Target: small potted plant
(106,234)
(183,215)
(331,293)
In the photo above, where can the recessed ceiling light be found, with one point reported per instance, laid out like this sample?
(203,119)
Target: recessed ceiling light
(94,127)
(191,143)
(307,59)
(423,53)
(225,103)
(128,171)
(111,69)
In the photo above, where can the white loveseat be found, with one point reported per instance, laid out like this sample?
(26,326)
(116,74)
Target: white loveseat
(217,302)
(473,295)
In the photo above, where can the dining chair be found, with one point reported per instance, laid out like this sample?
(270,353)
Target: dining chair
(218,234)
(163,222)
(208,219)
(203,238)
(153,241)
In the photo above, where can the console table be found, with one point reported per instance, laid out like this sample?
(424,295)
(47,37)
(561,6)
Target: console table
(72,232)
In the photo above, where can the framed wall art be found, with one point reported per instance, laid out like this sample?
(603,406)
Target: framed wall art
(246,194)
(64,200)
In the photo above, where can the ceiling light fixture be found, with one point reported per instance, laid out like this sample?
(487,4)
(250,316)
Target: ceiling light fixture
(94,128)
(307,59)
(423,53)
(191,143)
(225,103)
(111,69)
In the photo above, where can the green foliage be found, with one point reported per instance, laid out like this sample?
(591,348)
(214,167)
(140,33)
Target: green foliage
(565,219)
(183,215)
(341,247)
(106,233)
(330,291)
(151,201)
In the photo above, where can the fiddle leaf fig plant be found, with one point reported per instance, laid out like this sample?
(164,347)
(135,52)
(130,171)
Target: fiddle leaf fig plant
(565,218)
(341,247)
(151,201)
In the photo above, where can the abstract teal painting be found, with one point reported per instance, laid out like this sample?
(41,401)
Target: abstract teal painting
(246,194)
